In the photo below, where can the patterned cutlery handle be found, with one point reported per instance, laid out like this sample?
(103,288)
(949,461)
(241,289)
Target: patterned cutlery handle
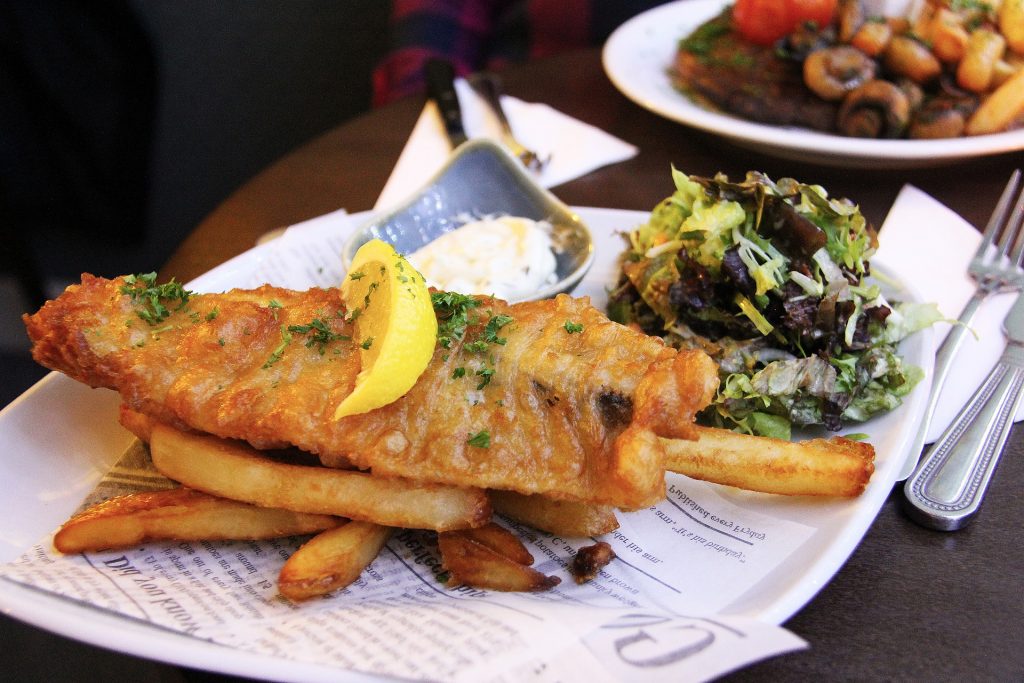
(947,489)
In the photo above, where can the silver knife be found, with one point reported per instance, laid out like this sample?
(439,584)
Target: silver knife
(950,482)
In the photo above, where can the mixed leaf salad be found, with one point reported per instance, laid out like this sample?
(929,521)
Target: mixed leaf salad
(770,279)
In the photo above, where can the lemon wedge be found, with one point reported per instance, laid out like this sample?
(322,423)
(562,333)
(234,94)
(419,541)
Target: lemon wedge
(395,326)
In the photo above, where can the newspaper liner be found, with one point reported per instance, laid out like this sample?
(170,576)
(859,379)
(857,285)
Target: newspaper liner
(649,615)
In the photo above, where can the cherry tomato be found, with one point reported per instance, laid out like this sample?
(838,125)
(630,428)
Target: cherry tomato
(764,21)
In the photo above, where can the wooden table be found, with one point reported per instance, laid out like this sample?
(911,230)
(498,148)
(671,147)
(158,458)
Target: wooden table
(910,604)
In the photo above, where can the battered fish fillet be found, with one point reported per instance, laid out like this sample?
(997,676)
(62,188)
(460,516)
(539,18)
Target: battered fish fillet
(572,415)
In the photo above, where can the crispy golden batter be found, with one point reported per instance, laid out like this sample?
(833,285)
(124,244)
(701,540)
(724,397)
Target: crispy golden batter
(570,415)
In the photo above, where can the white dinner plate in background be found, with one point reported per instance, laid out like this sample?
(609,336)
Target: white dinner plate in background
(637,58)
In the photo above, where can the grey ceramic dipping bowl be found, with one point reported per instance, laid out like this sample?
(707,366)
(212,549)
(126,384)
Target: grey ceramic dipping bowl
(482,179)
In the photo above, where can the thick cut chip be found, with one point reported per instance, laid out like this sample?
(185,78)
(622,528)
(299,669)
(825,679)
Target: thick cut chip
(500,540)
(331,560)
(471,563)
(239,472)
(180,515)
(565,518)
(817,467)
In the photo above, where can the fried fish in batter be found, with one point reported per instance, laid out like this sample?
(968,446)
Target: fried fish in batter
(545,397)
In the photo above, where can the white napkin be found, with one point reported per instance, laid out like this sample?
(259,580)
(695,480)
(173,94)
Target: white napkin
(930,246)
(574,148)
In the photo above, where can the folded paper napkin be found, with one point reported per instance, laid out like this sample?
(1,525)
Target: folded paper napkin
(574,148)
(929,246)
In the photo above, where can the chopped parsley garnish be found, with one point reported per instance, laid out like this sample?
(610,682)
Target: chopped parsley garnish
(318,334)
(214,312)
(452,310)
(490,334)
(485,377)
(367,343)
(373,288)
(573,328)
(274,306)
(358,275)
(495,323)
(481,439)
(275,355)
(453,317)
(152,299)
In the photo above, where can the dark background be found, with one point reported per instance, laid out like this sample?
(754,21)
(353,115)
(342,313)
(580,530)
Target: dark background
(124,122)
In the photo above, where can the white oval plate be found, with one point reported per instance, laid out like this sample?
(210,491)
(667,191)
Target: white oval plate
(60,437)
(637,58)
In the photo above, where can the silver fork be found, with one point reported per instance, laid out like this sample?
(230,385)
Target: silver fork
(948,487)
(488,86)
(995,269)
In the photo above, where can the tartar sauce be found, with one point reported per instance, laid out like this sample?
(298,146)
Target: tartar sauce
(508,256)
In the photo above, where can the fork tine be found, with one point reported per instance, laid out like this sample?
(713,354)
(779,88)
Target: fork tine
(1015,224)
(995,222)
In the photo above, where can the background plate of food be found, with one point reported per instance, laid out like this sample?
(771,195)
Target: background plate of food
(643,58)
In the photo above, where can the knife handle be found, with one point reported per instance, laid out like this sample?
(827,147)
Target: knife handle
(440,77)
(947,489)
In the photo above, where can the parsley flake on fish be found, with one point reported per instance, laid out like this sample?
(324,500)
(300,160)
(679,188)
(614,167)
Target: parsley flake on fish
(152,299)
(318,333)
(481,439)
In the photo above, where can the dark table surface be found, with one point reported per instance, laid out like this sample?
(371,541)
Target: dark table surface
(909,604)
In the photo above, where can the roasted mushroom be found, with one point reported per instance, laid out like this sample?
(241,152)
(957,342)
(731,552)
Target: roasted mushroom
(942,117)
(835,71)
(913,91)
(932,124)
(877,109)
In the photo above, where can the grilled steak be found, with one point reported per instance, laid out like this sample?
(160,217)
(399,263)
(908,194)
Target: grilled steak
(716,66)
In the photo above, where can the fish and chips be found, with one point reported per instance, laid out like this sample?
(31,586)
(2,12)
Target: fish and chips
(545,412)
